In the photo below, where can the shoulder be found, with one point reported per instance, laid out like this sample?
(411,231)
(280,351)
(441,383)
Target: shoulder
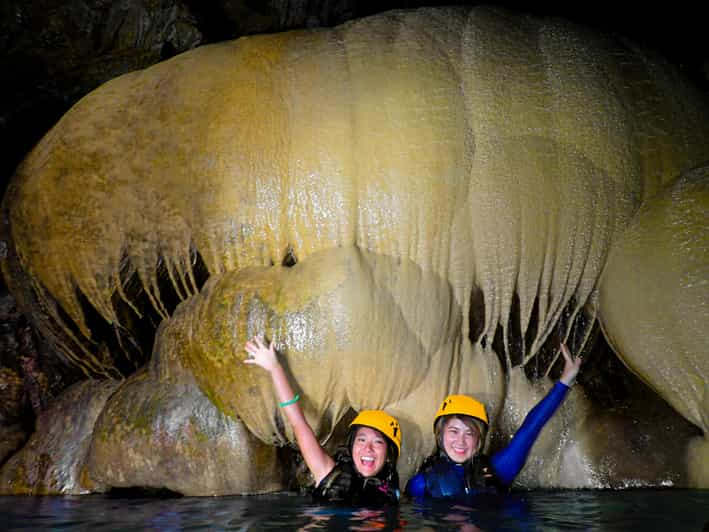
(342,464)
(416,487)
(342,469)
(337,485)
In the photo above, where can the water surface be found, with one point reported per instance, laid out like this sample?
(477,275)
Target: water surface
(541,510)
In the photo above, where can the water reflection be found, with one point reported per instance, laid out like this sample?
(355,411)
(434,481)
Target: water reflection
(647,510)
(346,518)
(483,512)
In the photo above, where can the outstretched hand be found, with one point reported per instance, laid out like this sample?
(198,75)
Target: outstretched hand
(571,366)
(260,354)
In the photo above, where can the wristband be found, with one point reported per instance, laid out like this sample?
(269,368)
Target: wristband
(290,401)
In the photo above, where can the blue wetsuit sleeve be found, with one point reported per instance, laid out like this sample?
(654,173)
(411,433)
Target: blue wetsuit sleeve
(508,462)
(416,486)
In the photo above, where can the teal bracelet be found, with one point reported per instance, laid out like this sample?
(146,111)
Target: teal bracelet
(290,402)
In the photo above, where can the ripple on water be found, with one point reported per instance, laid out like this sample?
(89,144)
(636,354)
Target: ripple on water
(542,510)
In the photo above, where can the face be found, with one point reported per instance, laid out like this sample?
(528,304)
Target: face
(460,441)
(369,451)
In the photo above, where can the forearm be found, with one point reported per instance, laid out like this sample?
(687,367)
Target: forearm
(285,394)
(508,462)
(317,460)
(281,384)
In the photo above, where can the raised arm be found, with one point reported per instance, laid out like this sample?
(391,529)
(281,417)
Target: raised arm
(572,365)
(318,461)
(508,462)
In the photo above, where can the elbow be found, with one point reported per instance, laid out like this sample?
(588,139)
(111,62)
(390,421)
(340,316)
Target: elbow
(505,470)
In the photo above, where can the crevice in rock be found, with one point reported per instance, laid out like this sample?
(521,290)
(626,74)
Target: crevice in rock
(476,316)
(289,258)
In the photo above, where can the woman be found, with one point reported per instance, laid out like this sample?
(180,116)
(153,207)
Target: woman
(365,472)
(456,470)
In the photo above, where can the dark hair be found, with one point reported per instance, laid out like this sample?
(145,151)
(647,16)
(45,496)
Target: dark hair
(392,452)
(388,473)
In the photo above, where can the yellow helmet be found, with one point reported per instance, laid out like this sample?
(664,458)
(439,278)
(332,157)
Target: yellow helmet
(383,422)
(462,405)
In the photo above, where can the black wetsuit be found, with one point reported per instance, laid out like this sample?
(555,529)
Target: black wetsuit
(345,485)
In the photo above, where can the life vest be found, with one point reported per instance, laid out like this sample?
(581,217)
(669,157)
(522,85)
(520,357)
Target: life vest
(447,479)
(344,484)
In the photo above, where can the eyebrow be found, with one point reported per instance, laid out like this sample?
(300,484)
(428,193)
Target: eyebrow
(466,429)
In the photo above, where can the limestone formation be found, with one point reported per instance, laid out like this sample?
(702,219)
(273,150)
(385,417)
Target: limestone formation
(169,436)
(52,460)
(654,298)
(410,205)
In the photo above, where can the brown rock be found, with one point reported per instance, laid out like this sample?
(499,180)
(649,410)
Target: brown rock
(168,435)
(11,438)
(50,462)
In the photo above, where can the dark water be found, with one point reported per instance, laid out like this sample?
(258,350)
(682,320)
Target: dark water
(642,510)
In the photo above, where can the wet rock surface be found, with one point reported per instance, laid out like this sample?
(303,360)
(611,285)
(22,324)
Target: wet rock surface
(12,437)
(155,432)
(53,53)
(169,435)
(51,461)
(30,377)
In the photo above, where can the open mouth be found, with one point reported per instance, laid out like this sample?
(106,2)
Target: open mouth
(367,462)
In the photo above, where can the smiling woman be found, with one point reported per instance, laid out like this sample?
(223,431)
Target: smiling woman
(369,451)
(366,472)
(455,470)
(460,439)
(413,204)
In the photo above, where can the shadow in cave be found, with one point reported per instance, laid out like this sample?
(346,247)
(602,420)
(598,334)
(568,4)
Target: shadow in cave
(127,345)
(142,492)
(604,377)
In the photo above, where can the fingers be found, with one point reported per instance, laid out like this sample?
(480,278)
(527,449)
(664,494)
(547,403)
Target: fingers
(251,347)
(255,347)
(565,352)
(256,343)
(569,358)
(578,361)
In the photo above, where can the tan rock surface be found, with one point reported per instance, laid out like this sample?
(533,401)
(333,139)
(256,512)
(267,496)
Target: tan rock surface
(168,435)
(405,162)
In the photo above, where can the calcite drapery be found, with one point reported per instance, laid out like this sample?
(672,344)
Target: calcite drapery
(654,297)
(479,151)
